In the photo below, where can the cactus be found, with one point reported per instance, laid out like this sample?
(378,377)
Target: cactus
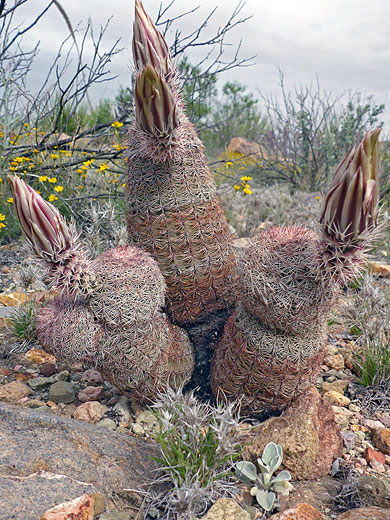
(173,210)
(117,324)
(273,345)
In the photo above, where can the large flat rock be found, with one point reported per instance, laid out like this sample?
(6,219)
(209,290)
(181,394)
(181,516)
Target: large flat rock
(46,460)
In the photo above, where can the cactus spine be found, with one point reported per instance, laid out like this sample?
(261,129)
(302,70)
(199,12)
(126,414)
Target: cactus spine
(273,345)
(173,209)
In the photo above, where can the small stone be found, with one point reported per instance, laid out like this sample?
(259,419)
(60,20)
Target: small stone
(342,416)
(91,393)
(381,439)
(332,350)
(384,418)
(47,369)
(137,428)
(354,408)
(301,511)
(37,383)
(122,408)
(349,440)
(335,361)
(62,392)
(371,454)
(12,392)
(117,515)
(5,270)
(337,386)
(360,435)
(338,399)
(34,403)
(81,508)
(361,461)
(372,425)
(99,503)
(147,420)
(39,356)
(92,377)
(377,466)
(107,423)
(90,412)
(330,379)
(225,508)
(366,513)
(64,375)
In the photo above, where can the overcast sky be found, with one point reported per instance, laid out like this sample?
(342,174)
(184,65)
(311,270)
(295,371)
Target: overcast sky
(346,43)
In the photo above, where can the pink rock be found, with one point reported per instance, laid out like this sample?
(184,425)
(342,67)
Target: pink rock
(91,393)
(81,508)
(308,434)
(90,412)
(384,418)
(371,454)
(377,466)
(335,361)
(13,392)
(366,513)
(92,376)
(47,369)
(17,368)
(381,439)
(301,511)
(371,424)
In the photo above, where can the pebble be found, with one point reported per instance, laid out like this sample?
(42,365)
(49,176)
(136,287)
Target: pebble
(34,403)
(336,398)
(336,385)
(349,440)
(90,412)
(370,454)
(377,466)
(372,425)
(342,416)
(137,428)
(147,420)
(107,423)
(381,439)
(91,393)
(92,377)
(354,408)
(122,408)
(62,392)
(334,361)
(14,391)
(47,369)
(64,375)
(37,383)
(360,435)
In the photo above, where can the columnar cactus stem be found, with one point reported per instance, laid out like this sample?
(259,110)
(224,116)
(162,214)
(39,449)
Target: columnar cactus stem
(173,209)
(273,345)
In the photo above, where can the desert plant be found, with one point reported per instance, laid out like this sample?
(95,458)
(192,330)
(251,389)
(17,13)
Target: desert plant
(110,311)
(372,363)
(264,486)
(22,322)
(290,279)
(198,446)
(173,209)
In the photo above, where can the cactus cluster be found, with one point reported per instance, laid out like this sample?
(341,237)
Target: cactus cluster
(173,210)
(110,313)
(273,344)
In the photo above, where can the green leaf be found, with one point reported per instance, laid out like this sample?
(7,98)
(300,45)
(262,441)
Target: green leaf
(246,471)
(283,475)
(265,499)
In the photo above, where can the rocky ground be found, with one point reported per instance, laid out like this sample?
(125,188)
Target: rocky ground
(44,389)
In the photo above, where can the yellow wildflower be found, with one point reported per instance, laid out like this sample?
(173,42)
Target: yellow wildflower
(54,156)
(43,178)
(123,185)
(116,124)
(229,163)
(2,217)
(1,135)
(247,191)
(38,192)
(79,170)
(2,225)
(58,189)
(80,187)
(12,168)
(36,150)
(10,200)
(237,187)
(119,147)
(317,198)
(53,180)
(52,197)
(103,167)
(246,178)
